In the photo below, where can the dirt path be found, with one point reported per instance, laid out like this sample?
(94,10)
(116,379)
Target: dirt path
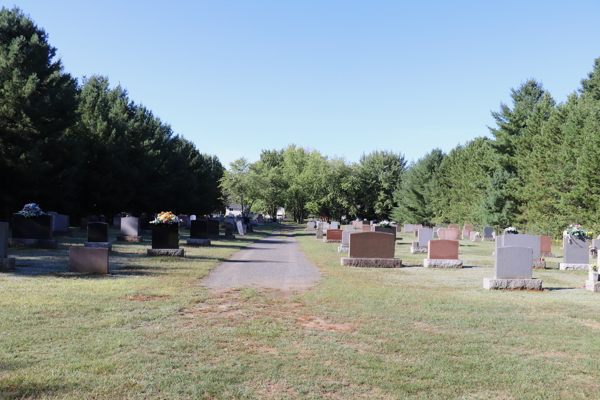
(275,263)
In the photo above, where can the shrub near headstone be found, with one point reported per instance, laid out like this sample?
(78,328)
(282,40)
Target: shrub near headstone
(371,249)
(442,254)
(513,270)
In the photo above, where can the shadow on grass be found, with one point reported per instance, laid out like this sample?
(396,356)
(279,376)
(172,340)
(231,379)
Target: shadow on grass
(551,289)
(31,390)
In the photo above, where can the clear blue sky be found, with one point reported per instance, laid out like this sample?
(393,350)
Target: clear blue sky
(343,77)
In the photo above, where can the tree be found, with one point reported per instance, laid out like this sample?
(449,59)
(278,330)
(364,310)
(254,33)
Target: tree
(240,185)
(379,175)
(38,156)
(415,197)
(268,172)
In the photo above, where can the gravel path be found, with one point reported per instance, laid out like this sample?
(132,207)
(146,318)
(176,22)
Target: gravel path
(274,262)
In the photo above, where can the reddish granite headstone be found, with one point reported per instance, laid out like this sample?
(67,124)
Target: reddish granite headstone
(443,249)
(334,234)
(88,260)
(448,234)
(366,228)
(545,244)
(372,245)
(452,226)
(398,228)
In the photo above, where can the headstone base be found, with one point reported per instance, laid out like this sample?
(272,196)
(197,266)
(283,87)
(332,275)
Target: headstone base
(434,263)
(98,245)
(512,284)
(123,238)
(552,255)
(199,242)
(538,264)
(343,248)
(574,267)
(7,264)
(371,262)
(89,260)
(592,286)
(488,239)
(476,239)
(325,240)
(33,243)
(416,250)
(167,252)
(319,234)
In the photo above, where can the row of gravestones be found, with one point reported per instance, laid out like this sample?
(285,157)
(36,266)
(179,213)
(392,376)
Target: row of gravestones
(93,257)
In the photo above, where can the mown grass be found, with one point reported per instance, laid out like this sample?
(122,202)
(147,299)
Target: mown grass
(151,330)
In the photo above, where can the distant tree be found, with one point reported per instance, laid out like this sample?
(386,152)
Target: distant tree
(415,197)
(268,172)
(239,185)
(379,175)
(38,154)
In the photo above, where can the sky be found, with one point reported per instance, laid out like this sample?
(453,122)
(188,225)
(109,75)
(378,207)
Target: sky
(342,77)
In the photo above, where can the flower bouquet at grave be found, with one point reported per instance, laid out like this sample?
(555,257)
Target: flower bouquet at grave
(166,218)
(511,230)
(575,232)
(31,210)
(385,224)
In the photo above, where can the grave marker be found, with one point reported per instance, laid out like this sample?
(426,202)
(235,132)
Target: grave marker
(371,249)
(513,270)
(442,254)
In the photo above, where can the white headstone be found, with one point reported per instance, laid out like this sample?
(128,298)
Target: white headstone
(425,235)
(240,227)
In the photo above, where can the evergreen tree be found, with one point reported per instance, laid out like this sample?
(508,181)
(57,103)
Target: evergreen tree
(38,157)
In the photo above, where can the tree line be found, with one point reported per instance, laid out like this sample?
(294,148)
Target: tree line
(86,148)
(540,169)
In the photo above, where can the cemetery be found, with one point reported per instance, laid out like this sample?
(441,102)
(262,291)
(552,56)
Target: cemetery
(168,272)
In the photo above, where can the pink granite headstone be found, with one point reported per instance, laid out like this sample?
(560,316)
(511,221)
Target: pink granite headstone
(443,249)
(453,226)
(448,234)
(545,244)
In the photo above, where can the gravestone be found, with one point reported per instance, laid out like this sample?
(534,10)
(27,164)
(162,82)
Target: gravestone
(199,233)
(448,234)
(88,260)
(326,226)
(513,270)
(358,225)
(385,229)
(32,232)
(452,226)
(546,246)
(488,233)
(229,230)
(192,218)
(442,254)
(117,222)
(348,227)
(145,225)
(371,249)
(199,229)
(240,227)
(184,222)
(213,227)
(522,240)
(60,224)
(6,263)
(398,229)
(576,254)
(425,235)
(366,228)
(261,220)
(475,236)
(333,236)
(165,241)
(409,228)
(467,229)
(98,236)
(335,225)
(345,246)
(130,230)
(319,234)
(596,244)
(311,226)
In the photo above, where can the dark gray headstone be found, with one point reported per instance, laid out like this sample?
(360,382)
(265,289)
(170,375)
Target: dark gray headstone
(576,251)
(165,236)
(97,232)
(32,227)
(213,226)
(228,229)
(3,240)
(488,231)
(199,229)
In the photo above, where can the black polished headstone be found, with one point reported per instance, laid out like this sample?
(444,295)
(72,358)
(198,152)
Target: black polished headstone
(228,229)
(213,226)
(199,229)
(145,223)
(32,227)
(97,232)
(165,236)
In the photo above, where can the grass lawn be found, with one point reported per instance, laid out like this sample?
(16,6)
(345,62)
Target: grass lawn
(151,330)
